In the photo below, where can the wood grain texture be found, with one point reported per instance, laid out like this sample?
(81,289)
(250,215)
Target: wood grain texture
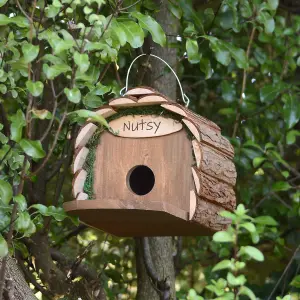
(79,159)
(135,217)
(152,100)
(217,164)
(85,134)
(197,152)
(207,215)
(143,126)
(173,181)
(140,91)
(174,108)
(193,204)
(197,181)
(82,196)
(78,182)
(123,101)
(197,119)
(216,191)
(192,128)
(106,111)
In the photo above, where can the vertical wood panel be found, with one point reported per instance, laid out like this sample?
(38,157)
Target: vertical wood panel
(169,157)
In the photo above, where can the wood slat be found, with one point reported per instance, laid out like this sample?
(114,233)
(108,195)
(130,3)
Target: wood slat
(85,134)
(82,196)
(197,152)
(197,181)
(207,215)
(193,204)
(152,100)
(175,109)
(78,182)
(106,112)
(193,129)
(140,91)
(123,102)
(80,158)
(214,190)
(218,165)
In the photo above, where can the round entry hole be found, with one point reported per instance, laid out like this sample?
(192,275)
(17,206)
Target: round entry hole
(141,180)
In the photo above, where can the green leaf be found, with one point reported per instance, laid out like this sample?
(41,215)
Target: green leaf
(206,68)
(20,21)
(224,264)
(257,161)
(23,221)
(42,209)
(73,95)
(265,220)
(57,213)
(83,113)
(296,281)
(252,252)
(149,24)
(248,226)
(3,247)
(17,124)
(51,11)
(3,2)
(236,281)
(22,204)
(63,45)
(245,8)
(267,20)
(35,88)
(134,33)
(117,29)
(6,192)
(82,61)
(92,101)
(224,51)
(223,237)
(192,51)
(291,110)
(291,136)
(4,20)
(269,92)
(247,292)
(281,186)
(42,114)
(273,4)
(32,148)
(54,71)
(30,52)
(228,215)
(175,9)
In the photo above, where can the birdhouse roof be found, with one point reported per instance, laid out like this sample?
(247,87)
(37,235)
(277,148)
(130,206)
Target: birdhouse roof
(203,129)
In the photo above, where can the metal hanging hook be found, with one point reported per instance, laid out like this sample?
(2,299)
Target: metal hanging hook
(185,98)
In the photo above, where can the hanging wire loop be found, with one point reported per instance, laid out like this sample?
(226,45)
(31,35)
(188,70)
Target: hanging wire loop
(185,98)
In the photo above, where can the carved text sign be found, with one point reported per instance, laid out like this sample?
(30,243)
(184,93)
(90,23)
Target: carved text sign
(139,126)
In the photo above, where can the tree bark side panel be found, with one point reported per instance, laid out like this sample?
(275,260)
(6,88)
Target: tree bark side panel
(217,165)
(207,214)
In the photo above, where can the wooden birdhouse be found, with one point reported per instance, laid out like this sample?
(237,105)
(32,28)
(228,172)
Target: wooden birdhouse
(159,170)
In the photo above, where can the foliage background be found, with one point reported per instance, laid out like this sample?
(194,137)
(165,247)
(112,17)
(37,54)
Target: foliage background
(238,61)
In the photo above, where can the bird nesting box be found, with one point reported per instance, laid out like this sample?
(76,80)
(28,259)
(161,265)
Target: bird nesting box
(159,170)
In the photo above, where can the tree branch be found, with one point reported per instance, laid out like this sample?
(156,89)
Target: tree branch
(238,110)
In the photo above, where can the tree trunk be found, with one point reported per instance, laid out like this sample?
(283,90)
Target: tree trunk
(16,288)
(161,248)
